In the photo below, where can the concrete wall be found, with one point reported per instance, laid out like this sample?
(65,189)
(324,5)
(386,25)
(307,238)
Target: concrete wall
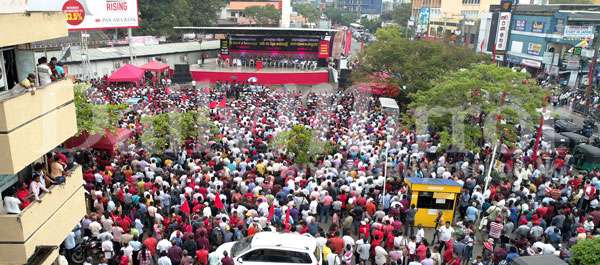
(35,26)
(32,125)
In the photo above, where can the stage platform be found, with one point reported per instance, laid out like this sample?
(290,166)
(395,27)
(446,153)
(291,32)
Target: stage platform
(211,72)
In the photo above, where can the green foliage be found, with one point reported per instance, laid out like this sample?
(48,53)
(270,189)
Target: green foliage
(400,14)
(370,25)
(339,17)
(414,64)
(309,11)
(158,17)
(94,118)
(157,132)
(586,252)
(455,104)
(170,130)
(303,144)
(263,15)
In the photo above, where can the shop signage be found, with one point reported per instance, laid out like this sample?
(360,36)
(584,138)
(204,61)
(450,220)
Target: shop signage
(537,27)
(579,32)
(534,49)
(520,24)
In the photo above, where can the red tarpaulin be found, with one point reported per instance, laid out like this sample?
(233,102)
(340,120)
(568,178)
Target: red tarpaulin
(106,141)
(155,66)
(127,73)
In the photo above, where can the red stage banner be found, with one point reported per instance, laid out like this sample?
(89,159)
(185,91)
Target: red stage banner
(324,49)
(348,46)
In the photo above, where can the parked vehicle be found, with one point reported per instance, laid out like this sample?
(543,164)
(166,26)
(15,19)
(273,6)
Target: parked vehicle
(586,157)
(565,126)
(575,139)
(88,247)
(273,248)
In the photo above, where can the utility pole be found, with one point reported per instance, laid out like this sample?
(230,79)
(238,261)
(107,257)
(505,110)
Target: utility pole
(588,92)
(129,37)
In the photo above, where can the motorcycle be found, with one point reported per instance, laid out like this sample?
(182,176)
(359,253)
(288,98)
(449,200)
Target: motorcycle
(88,247)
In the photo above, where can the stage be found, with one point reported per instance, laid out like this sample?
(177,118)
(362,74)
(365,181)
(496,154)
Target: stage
(211,72)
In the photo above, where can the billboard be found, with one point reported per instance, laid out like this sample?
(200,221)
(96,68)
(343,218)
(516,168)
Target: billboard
(579,32)
(503,29)
(423,21)
(279,44)
(100,14)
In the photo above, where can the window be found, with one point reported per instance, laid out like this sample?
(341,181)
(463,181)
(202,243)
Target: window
(437,200)
(277,256)
(470,2)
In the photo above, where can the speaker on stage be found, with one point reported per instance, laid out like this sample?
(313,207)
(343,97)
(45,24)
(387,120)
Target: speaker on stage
(182,74)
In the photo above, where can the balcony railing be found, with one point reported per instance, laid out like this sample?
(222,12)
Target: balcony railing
(33,124)
(44,223)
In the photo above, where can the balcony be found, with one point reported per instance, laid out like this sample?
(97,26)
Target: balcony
(20,28)
(44,223)
(32,125)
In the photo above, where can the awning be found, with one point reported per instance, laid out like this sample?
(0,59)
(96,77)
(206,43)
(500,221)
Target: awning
(107,141)
(127,73)
(155,66)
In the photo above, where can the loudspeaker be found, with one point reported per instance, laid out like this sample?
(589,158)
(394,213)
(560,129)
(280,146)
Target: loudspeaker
(182,74)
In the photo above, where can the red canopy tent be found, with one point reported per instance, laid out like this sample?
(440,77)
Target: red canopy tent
(127,73)
(157,67)
(107,141)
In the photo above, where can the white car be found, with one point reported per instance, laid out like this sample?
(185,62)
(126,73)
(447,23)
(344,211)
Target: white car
(273,248)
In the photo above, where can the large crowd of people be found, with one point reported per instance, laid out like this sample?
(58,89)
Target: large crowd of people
(268,61)
(178,207)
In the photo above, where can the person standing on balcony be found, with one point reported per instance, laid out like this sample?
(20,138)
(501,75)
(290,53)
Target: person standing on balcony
(44,72)
(57,170)
(36,186)
(11,204)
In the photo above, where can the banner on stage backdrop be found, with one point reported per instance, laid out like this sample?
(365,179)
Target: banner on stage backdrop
(225,46)
(283,44)
(100,14)
(324,49)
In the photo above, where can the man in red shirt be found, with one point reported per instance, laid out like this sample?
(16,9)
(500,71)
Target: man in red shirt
(336,243)
(202,255)
(150,244)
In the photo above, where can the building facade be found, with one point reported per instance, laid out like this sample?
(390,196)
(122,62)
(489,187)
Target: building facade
(31,125)
(368,7)
(555,39)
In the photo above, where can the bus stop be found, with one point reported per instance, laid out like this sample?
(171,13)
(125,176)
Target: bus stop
(431,196)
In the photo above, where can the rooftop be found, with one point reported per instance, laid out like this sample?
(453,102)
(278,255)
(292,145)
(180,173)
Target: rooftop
(259,30)
(244,4)
(109,53)
(436,181)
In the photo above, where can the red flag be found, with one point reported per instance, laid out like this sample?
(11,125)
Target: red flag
(271,213)
(223,102)
(481,46)
(218,202)
(286,221)
(212,104)
(185,207)
(207,90)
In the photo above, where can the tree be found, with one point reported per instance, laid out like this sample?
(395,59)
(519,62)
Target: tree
(586,252)
(263,15)
(93,118)
(370,25)
(303,143)
(400,14)
(481,104)
(413,65)
(158,17)
(157,132)
(308,11)
(339,17)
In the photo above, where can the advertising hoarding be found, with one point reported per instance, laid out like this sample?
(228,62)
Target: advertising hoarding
(100,14)
(503,29)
